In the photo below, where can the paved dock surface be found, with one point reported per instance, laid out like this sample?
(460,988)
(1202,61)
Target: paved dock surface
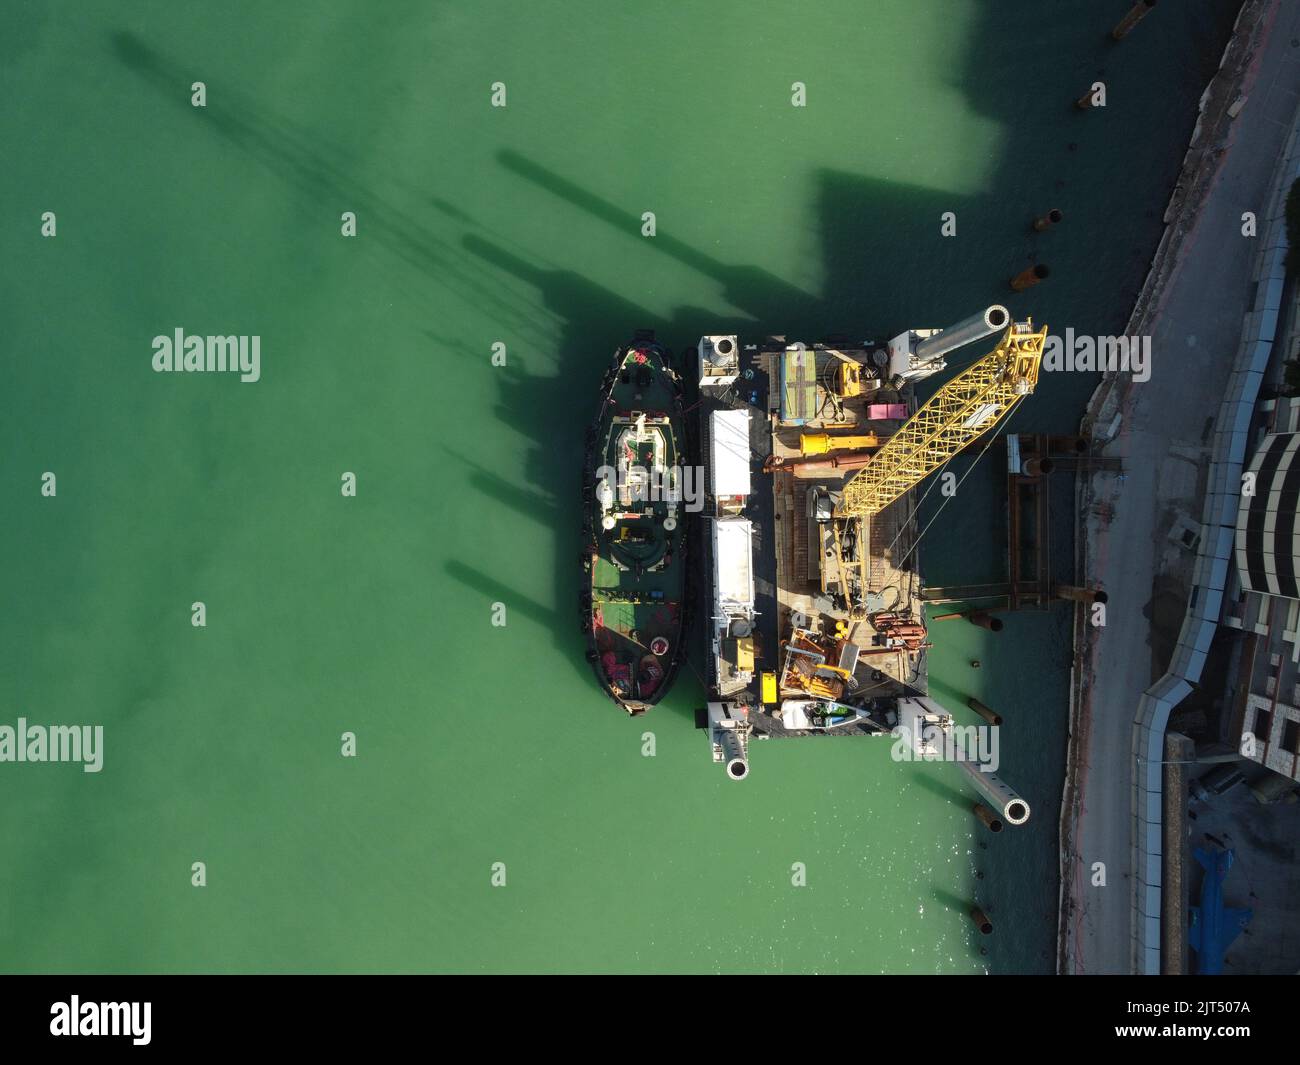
(1165,438)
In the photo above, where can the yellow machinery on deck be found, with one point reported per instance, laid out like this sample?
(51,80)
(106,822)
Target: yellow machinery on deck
(824,443)
(848,381)
(815,665)
(968,406)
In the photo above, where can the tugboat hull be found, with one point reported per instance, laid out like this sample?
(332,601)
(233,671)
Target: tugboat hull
(634,602)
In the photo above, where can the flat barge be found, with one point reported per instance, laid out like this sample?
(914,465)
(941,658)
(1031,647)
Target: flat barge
(811,600)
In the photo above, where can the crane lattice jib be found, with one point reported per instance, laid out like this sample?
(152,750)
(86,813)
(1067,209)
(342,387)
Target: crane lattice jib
(968,406)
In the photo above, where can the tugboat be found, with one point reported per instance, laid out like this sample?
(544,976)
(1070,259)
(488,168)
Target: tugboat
(633,600)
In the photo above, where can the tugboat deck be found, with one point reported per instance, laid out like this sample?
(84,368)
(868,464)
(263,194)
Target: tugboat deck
(634,605)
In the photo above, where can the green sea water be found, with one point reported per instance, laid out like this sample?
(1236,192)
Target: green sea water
(328,614)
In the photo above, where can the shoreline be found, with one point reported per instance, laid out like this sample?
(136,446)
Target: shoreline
(1107,411)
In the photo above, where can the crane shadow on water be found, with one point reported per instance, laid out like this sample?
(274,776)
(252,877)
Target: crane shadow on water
(554,408)
(885,268)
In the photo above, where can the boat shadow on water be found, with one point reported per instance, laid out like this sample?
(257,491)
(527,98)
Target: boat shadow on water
(864,289)
(555,407)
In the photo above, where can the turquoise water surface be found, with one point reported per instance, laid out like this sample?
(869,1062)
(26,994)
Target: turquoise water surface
(328,614)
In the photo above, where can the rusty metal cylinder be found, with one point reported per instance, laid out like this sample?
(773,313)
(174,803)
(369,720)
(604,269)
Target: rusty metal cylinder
(820,467)
(1029,277)
(1037,466)
(1077,444)
(1136,14)
(1048,220)
(981,920)
(988,817)
(985,711)
(1081,595)
(985,620)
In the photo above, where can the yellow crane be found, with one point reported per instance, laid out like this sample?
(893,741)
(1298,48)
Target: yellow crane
(968,406)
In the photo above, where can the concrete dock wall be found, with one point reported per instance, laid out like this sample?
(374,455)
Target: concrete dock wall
(1209,577)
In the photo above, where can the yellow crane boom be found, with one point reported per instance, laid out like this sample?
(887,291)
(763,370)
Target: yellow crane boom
(969,405)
